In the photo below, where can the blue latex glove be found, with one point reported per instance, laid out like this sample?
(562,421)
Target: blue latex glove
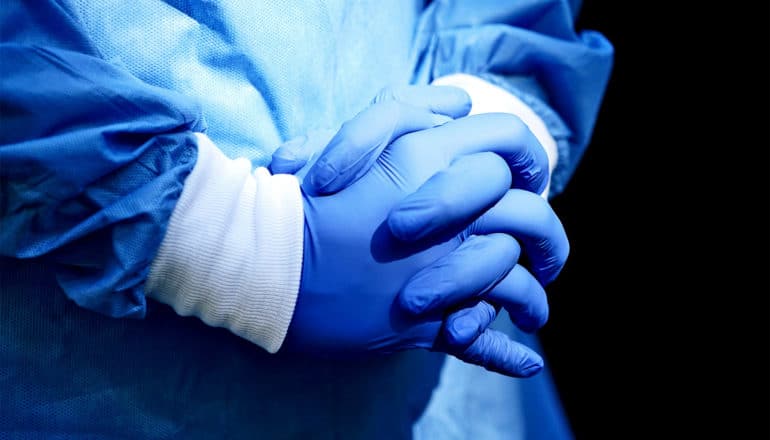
(355,266)
(428,212)
(348,155)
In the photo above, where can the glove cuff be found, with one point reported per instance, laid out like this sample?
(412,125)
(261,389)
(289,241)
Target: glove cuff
(232,254)
(487,97)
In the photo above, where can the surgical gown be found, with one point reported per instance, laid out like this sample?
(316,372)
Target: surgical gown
(99,102)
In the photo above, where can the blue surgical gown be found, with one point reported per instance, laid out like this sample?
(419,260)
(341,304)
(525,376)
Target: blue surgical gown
(98,104)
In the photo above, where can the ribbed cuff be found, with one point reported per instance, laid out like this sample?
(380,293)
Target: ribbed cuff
(487,97)
(232,254)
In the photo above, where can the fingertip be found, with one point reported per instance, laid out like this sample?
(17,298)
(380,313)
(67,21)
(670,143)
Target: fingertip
(441,99)
(287,159)
(284,165)
(523,297)
(531,367)
(458,104)
(534,318)
(496,351)
(525,363)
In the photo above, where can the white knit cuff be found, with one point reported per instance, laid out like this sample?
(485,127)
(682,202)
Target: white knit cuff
(487,97)
(232,254)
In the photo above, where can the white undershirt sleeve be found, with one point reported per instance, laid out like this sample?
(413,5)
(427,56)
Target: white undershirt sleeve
(232,254)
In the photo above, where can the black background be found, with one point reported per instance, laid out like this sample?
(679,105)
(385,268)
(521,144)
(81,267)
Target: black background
(659,321)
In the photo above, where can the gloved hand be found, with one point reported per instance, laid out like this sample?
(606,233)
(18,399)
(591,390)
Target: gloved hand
(415,218)
(355,266)
(344,160)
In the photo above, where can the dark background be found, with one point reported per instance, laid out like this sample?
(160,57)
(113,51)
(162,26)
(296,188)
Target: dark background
(659,321)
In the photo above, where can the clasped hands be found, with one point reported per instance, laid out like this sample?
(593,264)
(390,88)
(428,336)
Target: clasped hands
(420,224)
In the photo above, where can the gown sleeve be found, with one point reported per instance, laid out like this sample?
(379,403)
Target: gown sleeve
(92,163)
(531,49)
